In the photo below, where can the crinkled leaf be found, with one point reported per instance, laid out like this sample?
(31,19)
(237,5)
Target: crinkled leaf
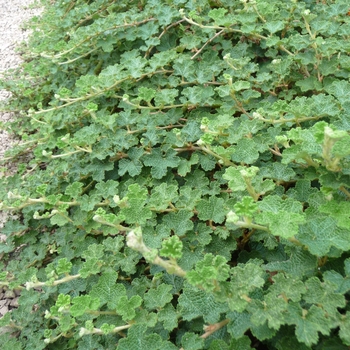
(212,209)
(308,323)
(172,248)
(244,280)
(194,303)
(163,195)
(299,263)
(158,298)
(160,162)
(108,290)
(126,307)
(137,338)
(246,151)
(192,341)
(83,303)
(169,317)
(339,211)
(179,222)
(247,207)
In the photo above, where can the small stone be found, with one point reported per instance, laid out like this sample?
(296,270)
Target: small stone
(3,307)
(14,302)
(10,294)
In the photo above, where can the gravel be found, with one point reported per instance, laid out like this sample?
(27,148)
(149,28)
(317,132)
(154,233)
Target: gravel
(13,14)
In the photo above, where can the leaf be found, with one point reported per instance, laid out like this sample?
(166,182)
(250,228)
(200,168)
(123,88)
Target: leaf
(263,332)
(299,263)
(161,59)
(59,219)
(217,14)
(308,323)
(342,283)
(126,307)
(134,62)
(324,296)
(209,272)
(339,211)
(83,303)
(63,300)
(239,323)
(243,343)
(218,344)
(166,14)
(185,166)
(340,89)
(287,287)
(138,338)
(235,180)
(158,298)
(246,152)
(270,311)
(172,248)
(108,290)
(97,169)
(320,234)
(278,171)
(240,85)
(74,189)
(247,207)
(244,279)
(87,203)
(168,316)
(63,266)
(146,94)
(90,343)
(132,165)
(343,332)
(166,97)
(212,209)
(282,217)
(302,190)
(41,189)
(274,26)
(107,189)
(284,224)
(179,222)
(192,341)
(183,66)
(160,162)
(197,95)
(310,83)
(207,162)
(133,205)
(127,260)
(194,303)
(163,195)
(93,251)
(341,147)
(90,267)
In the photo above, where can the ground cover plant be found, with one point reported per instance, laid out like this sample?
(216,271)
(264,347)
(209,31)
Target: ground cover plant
(183,177)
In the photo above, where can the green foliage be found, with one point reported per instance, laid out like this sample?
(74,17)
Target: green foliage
(182,177)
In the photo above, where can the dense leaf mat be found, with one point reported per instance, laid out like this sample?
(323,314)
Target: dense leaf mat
(183,177)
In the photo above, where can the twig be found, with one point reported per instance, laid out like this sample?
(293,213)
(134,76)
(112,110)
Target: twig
(209,330)
(210,40)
